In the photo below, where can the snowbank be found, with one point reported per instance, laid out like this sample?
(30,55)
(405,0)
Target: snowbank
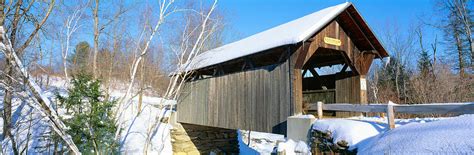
(350,131)
(370,135)
(447,136)
(33,130)
(135,131)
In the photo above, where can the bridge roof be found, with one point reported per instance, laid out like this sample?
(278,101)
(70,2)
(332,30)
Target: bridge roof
(292,32)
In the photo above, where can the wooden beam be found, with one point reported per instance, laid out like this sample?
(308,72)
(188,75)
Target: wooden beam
(364,61)
(283,56)
(351,107)
(428,108)
(320,110)
(315,74)
(363,34)
(438,108)
(344,68)
(244,65)
(390,109)
(301,53)
(348,62)
(390,116)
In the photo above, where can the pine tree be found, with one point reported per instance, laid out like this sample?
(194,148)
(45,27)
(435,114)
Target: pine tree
(395,76)
(79,60)
(424,63)
(89,116)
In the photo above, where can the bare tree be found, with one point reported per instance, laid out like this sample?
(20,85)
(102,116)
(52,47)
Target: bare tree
(71,25)
(461,12)
(20,12)
(401,46)
(97,31)
(457,26)
(42,102)
(185,57)
(164,11)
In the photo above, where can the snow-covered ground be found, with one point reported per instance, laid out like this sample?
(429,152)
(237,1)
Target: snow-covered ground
(371,135)
(135,127)
(32,132)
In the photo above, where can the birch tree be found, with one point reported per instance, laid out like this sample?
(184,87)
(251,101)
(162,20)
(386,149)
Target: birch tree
(71,25)
(96,38)
(185,56)
(165,10)
(20,12)
(42,102)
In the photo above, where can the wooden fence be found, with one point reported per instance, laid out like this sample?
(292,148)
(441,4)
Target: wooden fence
(391,109)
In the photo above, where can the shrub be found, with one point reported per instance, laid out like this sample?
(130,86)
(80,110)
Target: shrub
(89,116)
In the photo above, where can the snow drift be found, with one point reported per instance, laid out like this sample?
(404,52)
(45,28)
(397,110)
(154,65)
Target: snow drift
(447,136)
(371,135)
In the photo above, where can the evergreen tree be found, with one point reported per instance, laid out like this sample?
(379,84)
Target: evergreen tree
(424,63)
(89,116)
(79,60)
(395,76)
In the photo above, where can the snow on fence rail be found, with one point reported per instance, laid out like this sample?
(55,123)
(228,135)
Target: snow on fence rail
(390,109)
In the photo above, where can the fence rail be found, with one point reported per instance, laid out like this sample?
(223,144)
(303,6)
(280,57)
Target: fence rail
(390,109)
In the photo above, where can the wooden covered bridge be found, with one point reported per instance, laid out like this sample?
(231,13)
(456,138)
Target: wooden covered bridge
(258,82)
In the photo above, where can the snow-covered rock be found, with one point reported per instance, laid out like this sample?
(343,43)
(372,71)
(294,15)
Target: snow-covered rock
(291,147)
(350,131)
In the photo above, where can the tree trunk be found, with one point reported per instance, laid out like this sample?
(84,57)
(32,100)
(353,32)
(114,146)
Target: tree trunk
(460,54)
(7,100)
(142,84)
(96,38)
(463,13)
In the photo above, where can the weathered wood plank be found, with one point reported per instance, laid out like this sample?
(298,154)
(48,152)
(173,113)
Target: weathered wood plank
(437,108)
(430,108)
(351,107)
(390,116)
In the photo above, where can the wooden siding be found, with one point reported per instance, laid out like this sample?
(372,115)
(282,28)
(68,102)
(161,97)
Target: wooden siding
(325,96)
(348,90)
(255,100)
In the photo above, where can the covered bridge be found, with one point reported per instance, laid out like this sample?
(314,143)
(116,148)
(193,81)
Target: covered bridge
(257,82)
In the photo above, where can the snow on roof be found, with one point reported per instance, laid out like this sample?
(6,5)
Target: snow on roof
(289,33)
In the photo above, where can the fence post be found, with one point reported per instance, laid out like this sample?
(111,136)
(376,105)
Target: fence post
(390,116)
(320,109)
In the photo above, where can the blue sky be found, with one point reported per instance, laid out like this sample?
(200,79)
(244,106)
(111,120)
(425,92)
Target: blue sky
(248,17)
